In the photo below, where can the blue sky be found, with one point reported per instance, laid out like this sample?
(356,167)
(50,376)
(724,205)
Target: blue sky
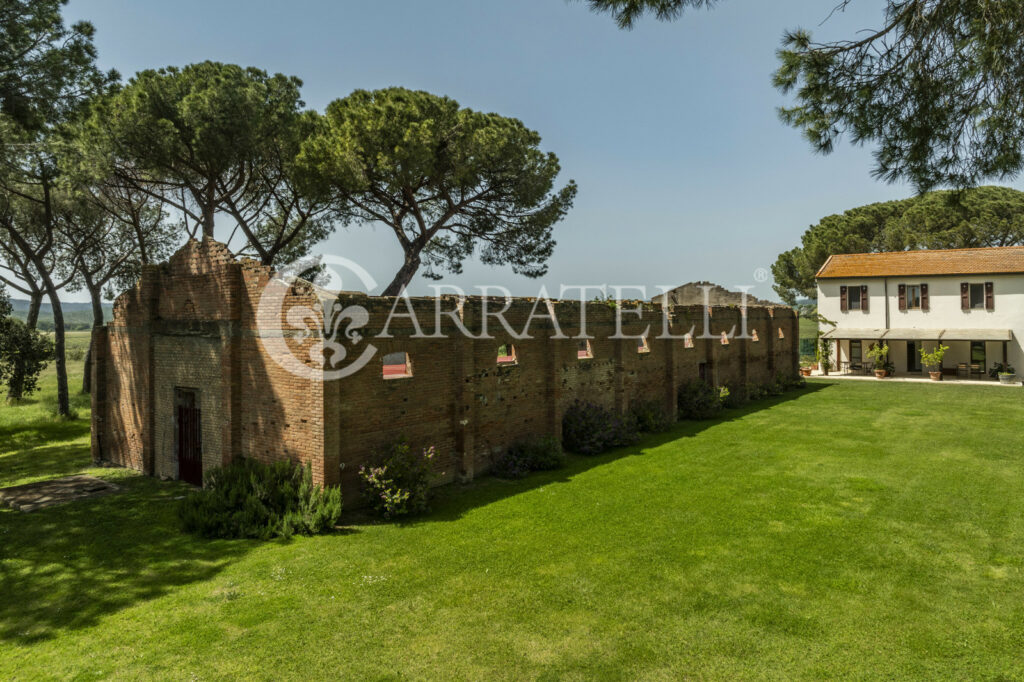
(670,130)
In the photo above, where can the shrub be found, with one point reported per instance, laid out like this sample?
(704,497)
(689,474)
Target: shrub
(24,353)
(247,499)
(542,454)
(731,396)
(757,391)
(788,382)
(590,429)
(649,416)
(397,482)
(698,400)
(538,454)
(510,465)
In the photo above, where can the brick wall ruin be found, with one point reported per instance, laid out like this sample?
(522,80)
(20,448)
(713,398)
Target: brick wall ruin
(192,324)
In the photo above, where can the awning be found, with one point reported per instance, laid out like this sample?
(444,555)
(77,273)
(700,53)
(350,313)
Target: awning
(911,334)
(853,334)
(976,335)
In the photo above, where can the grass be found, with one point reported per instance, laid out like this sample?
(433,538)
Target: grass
(850,530)
(808,328)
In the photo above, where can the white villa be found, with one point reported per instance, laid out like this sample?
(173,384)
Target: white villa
(971,300)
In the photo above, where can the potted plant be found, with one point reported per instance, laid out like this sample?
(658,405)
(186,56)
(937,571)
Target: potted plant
(933,361)
(1006,373)
(880,355)
(805,371)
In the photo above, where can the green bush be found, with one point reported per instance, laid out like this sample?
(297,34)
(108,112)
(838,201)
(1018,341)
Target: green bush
(248,499)
(397,482)
(732,396)
(24,354)
(589,429)
(787,382)
(537,454)
(756,391)
(699,400)
(649,416)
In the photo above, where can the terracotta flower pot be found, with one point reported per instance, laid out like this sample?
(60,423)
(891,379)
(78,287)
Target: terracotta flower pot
(881,373)
(936,376)
(805,371)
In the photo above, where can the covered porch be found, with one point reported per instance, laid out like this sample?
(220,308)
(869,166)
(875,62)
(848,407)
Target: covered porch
(971,354)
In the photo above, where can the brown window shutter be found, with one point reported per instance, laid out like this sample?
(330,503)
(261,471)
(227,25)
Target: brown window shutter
(924,297)
(864,297)
(990,299)
(903,296)
(965,296)
(842,299)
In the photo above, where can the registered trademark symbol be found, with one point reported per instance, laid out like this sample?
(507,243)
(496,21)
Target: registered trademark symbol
(760,275)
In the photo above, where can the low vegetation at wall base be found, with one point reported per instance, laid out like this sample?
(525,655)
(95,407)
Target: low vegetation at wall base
(397,483)
(247,499)
(589,429)
(650,416)
(539,454)
(698,399)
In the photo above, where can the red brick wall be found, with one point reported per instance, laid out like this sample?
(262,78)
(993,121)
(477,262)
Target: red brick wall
(470,407)
(193,323)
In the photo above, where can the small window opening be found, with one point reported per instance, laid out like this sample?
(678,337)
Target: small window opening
(584,350)
(781,334)
(687,340)
(913,297)
(397,366)
(853,299)
(507,354)
(642,346)
(977,293)
(725,339)
(753,336)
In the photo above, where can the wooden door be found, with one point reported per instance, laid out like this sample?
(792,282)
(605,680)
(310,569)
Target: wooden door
(189,438)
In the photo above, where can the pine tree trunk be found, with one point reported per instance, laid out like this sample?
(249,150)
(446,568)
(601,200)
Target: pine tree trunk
(60,360)
(97,322)
(404,276)
(208,212)
(35,302)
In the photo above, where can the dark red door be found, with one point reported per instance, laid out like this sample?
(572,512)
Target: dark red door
(190,446)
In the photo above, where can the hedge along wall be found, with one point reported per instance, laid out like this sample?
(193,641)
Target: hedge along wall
(194,323)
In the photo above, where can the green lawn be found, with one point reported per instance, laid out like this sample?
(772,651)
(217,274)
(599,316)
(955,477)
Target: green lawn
(850,530)
(808,328)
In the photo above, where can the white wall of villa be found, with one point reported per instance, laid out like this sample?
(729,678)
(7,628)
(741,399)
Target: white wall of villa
(944,317)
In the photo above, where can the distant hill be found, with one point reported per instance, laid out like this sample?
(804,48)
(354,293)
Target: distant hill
(77,316)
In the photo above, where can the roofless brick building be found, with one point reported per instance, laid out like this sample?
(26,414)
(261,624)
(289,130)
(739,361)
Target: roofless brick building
(184,380)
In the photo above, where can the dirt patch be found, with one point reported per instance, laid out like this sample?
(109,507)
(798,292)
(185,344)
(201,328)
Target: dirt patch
(33,496)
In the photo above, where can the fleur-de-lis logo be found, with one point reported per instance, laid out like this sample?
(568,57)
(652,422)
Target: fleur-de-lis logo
(328,331)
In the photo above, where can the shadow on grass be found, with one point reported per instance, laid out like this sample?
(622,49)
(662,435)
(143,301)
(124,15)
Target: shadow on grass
(43,462)
(452,502)
(41,431)
(66,567)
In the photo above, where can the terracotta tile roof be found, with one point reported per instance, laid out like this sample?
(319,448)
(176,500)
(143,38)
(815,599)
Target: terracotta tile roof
(985,261)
